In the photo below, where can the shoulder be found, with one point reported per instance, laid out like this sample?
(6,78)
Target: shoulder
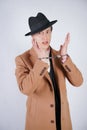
(23,56)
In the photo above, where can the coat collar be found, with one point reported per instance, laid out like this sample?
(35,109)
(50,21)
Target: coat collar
(32,55)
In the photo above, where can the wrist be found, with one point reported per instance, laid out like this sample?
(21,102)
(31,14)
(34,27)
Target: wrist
(64,58)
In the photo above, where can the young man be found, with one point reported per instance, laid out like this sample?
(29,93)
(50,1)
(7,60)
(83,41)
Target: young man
(41,73)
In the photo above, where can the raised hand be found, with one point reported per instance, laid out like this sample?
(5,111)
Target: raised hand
(63,48)
(39,51)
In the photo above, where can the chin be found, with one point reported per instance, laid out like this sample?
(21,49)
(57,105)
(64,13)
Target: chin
(46,47)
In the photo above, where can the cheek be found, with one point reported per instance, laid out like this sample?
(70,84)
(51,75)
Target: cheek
(49,39)
(38,40)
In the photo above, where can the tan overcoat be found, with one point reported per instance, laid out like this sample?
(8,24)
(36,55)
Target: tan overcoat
(34,81)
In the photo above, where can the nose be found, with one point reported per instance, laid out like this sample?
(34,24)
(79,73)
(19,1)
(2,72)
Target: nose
(44,37)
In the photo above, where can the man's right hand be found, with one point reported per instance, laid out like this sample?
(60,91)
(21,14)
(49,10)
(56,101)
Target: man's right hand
(39,51)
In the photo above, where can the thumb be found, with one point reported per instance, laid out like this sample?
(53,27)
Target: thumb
(61,47)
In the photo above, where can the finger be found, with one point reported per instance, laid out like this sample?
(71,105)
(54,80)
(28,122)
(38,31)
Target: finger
(67,37)
(61,47)
(37,45)
(33,42)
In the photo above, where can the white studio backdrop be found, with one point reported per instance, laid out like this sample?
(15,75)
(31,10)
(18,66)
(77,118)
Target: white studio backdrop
(72,17)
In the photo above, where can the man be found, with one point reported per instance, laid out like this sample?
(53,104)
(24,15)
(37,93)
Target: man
(41,73)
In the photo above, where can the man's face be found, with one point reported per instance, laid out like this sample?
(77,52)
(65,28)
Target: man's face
(43,38)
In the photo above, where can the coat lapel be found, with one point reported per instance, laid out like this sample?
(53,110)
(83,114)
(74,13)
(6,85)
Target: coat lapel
(33,57)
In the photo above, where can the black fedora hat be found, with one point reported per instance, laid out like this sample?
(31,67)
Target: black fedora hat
(39,23)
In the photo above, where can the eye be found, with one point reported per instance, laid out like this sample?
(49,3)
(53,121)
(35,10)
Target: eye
(47,31)
(39,32)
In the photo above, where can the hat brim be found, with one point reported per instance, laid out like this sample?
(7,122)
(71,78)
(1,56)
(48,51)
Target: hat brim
(42,28)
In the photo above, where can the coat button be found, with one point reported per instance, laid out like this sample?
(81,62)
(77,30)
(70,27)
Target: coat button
(51,105)
(52,121)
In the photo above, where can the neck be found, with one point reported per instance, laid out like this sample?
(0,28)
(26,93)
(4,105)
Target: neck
(46,50)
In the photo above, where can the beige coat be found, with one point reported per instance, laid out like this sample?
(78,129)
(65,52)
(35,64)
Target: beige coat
(34,81)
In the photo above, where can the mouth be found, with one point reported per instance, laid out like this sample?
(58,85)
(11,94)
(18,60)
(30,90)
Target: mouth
(45,43)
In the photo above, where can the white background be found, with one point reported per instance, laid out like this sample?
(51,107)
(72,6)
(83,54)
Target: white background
(72,17)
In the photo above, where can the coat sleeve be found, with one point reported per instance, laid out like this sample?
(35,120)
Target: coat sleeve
(29,78)
(73,74)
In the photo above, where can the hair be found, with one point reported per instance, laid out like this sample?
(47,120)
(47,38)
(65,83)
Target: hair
(51,28)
